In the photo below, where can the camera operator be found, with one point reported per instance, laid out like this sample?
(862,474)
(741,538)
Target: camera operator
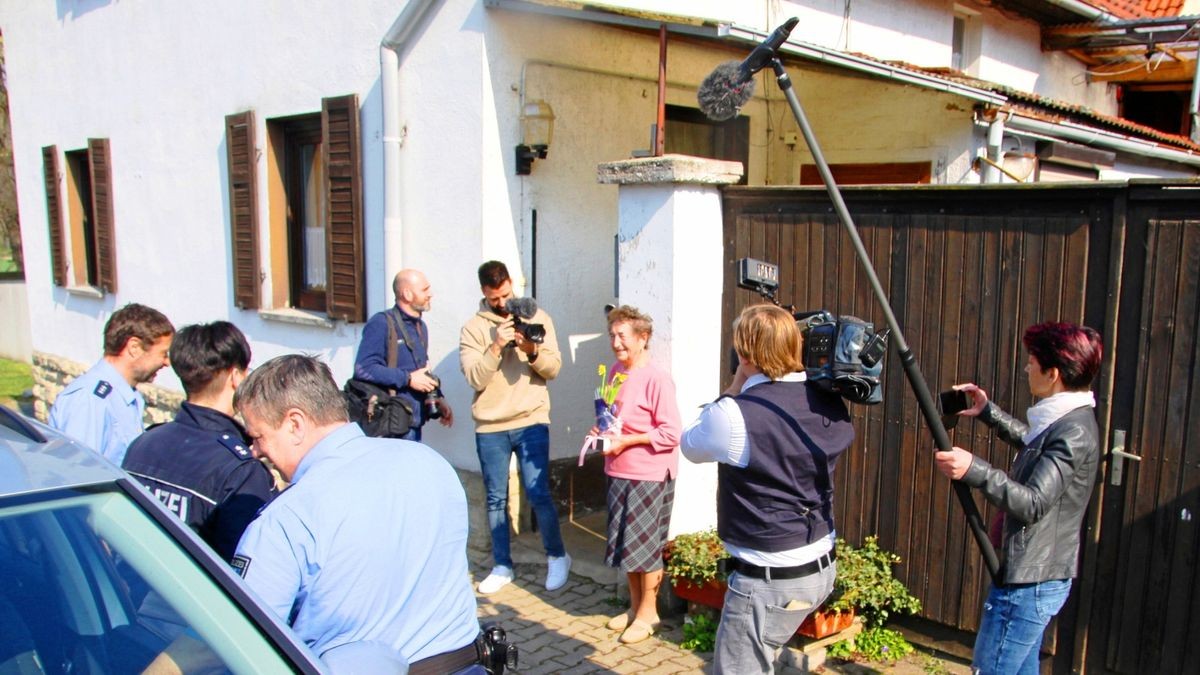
(508,372)
(777,439)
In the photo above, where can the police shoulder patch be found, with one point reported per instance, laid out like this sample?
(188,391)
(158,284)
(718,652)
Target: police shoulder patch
(102,390)
(235,444)
(240,564)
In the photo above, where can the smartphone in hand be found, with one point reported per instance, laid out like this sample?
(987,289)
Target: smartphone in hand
(952,402)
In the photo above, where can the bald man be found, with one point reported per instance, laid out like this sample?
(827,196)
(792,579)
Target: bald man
(409,374)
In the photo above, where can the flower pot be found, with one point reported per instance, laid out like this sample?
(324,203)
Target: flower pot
(710,593)
(823,623)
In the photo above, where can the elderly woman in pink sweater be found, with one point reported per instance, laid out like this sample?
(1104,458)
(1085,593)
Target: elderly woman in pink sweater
(641,461)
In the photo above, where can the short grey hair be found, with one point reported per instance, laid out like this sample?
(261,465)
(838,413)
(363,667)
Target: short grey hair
(292,381)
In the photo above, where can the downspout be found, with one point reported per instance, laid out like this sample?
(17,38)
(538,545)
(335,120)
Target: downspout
(393,130)
(995,138)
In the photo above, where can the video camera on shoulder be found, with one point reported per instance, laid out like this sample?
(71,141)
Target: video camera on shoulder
(842,354)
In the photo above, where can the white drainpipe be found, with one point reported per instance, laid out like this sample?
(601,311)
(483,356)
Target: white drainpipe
(393,129)
(995,139)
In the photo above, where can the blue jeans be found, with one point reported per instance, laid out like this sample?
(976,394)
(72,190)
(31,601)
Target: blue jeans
(532,445)
(1014,619)
(413,434)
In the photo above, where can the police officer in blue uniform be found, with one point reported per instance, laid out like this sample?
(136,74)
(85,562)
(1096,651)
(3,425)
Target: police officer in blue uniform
(368,544)
(102,408)
(200,465)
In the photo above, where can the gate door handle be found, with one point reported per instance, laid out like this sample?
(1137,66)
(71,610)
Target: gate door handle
(1118,456)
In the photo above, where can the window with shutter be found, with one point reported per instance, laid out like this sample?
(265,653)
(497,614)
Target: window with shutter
(58,254)
(314,188)
(100,166)
(346,296)
(243,208)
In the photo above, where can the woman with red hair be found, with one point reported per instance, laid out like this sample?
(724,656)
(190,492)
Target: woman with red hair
(1043,498)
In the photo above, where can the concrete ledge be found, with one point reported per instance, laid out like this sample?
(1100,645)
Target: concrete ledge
(670,169)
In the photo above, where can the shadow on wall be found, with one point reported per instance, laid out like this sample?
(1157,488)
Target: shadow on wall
(73,9)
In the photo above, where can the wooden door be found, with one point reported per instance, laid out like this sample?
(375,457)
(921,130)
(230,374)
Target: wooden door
(1146,612)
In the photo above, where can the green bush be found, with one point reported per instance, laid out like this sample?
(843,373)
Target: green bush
(865,583)
(695,557)
(873,644)
(699,633)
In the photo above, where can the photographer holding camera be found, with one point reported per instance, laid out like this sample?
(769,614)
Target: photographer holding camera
(409,375)
(508,351)
(777,438)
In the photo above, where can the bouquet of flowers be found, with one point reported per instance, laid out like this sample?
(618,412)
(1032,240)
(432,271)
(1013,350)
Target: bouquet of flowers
(607,420)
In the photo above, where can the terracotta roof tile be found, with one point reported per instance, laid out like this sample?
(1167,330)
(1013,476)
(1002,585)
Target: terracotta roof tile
(1139,9)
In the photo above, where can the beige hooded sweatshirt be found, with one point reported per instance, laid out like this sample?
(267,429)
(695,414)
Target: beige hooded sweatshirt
(510,391)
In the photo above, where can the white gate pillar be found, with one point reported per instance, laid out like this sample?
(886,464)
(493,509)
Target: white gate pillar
(670,265)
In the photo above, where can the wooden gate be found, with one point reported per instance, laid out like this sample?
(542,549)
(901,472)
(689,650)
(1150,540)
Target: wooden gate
(966,269)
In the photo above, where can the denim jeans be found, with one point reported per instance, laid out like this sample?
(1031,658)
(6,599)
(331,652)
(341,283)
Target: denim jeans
(1014,619)
(413,434)
(532,445)
(756,622)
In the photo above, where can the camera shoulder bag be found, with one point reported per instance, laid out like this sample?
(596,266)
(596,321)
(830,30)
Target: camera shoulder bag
(378,410)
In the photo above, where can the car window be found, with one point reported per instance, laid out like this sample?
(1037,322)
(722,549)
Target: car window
(92,585)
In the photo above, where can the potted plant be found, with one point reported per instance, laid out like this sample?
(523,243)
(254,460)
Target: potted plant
(693,565)
(864,587)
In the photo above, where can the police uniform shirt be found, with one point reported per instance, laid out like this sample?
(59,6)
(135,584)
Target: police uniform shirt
(368,543)
(202,469)
(101,410)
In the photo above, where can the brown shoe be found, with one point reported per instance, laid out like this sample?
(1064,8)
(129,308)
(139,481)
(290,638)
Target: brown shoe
(620,621)
(636,632)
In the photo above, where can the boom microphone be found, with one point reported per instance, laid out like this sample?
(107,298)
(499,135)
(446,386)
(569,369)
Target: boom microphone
(731,84)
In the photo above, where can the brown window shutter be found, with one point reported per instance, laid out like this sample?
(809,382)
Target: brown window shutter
(58,253)
(100,159)
(346,289)
(243,207)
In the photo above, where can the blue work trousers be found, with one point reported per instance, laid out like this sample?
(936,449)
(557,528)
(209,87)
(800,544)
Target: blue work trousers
(532,445)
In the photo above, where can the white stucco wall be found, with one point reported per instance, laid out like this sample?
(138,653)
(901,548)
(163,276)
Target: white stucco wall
(670,240)
(15,340)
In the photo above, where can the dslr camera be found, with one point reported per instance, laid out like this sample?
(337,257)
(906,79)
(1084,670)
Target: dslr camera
(521,310)
(429,407)
(842,354)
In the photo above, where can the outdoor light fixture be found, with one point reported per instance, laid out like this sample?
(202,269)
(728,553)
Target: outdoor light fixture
(1018,165)
(537,130)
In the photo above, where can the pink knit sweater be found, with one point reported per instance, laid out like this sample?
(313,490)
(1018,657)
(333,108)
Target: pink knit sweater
(646,404)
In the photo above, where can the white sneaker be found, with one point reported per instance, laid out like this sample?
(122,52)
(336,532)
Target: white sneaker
(500,577)
(556,571)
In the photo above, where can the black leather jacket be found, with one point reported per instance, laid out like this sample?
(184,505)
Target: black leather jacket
(1044,496)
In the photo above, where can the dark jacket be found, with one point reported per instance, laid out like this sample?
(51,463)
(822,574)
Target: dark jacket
(1045,495)
(783,498)
(412,353)
(202,468)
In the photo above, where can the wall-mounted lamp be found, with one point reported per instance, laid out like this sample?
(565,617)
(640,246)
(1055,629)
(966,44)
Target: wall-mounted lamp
(537,130)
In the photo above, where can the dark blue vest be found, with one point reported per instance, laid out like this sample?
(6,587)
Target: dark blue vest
(783,499)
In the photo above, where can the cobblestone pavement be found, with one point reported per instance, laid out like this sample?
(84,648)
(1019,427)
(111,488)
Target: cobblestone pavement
(563,631)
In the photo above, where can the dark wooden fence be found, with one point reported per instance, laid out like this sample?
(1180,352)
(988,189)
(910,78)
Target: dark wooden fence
(967,269)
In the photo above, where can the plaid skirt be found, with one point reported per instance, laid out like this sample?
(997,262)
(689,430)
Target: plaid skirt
(639,512)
